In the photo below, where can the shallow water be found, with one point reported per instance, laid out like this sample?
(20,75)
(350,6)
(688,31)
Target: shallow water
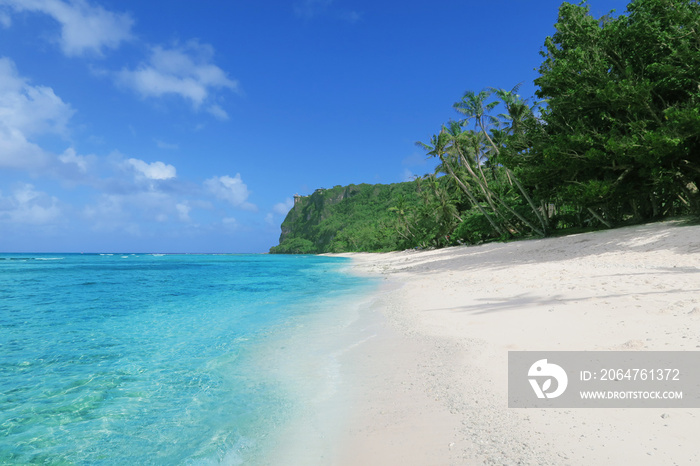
(154,359)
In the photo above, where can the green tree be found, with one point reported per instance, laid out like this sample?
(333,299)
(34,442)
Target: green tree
(438,147)
(476,107)
(621,128)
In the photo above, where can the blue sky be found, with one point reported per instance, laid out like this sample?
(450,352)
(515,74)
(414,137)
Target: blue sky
(187,126)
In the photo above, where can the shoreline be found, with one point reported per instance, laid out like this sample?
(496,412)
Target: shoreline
(433,388)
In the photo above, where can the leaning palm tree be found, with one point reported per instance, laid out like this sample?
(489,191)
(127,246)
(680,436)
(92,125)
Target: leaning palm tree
(464,141)
(469,147)
(445,210)
(475,107)
(438,147)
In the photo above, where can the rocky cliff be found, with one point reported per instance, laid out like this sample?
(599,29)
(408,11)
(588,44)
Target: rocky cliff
(344,218)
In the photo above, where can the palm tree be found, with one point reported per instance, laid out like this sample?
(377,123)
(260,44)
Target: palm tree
(475,107)
(468,142)
(441,207)
(517,109)
(438,147)
(475,142)
(401,210)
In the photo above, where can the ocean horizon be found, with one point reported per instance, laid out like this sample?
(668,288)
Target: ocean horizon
(165,358)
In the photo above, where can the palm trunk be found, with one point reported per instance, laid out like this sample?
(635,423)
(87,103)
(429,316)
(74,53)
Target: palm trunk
(490,195)
(602,220)
(471,197)
(483,186)
(517,183)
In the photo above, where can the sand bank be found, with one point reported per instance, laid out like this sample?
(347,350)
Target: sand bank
(431,386)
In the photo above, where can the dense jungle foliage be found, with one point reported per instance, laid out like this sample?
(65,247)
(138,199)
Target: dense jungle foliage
(353,218)
(614,138)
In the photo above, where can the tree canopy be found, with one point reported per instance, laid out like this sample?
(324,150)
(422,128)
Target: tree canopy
(620,132)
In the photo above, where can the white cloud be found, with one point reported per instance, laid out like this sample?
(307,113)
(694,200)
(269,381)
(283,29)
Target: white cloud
(16,152)
(218,112)
(408,175)
(186,72)
(30,109)
(232,190)
(108,206)
(153,171)
(283,208)
(183,211)
(84,27)
(26,111)
(70,157)
(28,206)
(129,212)
(109,214)
(279,209)
(5,20)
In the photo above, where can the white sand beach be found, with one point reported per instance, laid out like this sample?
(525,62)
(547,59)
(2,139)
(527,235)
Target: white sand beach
(431,385)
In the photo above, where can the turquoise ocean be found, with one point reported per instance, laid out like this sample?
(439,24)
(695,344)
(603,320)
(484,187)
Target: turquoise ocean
(163,359)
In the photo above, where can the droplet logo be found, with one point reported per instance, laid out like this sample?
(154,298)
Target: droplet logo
(546,371)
